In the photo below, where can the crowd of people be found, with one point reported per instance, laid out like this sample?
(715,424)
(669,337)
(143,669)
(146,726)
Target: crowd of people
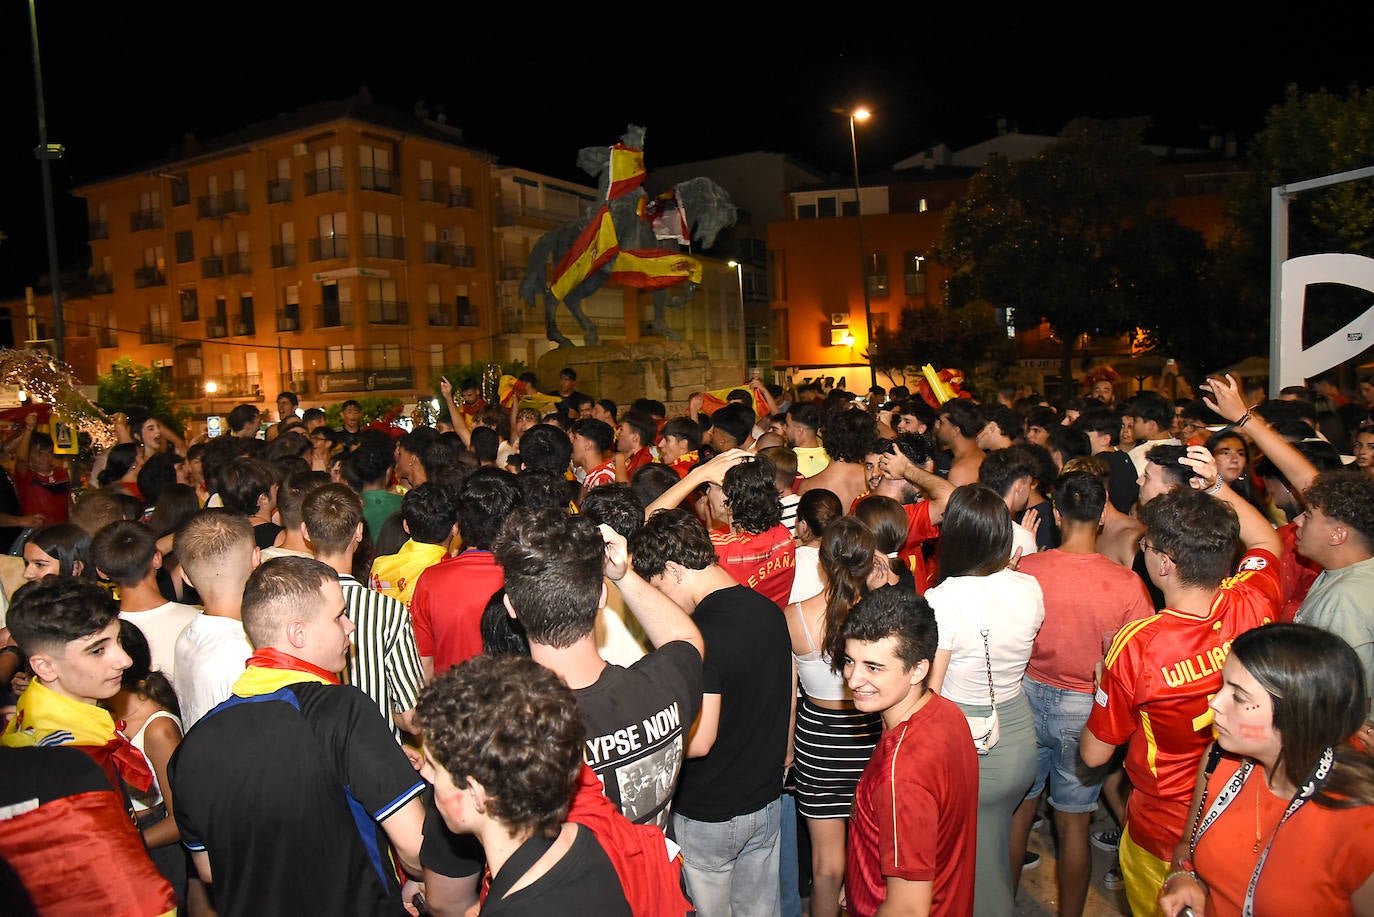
(563,655)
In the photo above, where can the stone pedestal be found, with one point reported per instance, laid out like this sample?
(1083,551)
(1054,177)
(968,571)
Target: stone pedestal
(657,368)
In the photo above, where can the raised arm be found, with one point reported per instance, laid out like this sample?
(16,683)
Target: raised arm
(1225,399)
(897,466)
(460,422)
(1255,530)
(663,620)
(712,472)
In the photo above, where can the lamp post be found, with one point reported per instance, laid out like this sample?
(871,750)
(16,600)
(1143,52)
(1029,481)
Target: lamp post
(861,114)
(46,151)
(743,341)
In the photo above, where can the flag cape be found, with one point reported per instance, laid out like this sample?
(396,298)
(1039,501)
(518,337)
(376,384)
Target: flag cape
(654,269)
(627,170)
(593,248)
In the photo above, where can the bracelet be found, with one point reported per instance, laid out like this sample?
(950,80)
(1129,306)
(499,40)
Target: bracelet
(1180,872)
(1244,419)
(1214,489)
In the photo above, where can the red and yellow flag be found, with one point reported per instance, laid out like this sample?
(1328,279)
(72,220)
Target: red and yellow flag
(715,400)
(654,269)
(594,247)
(627,170)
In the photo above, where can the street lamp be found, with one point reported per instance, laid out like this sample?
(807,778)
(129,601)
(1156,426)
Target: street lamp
(46,151)
(739,276)
(861,114)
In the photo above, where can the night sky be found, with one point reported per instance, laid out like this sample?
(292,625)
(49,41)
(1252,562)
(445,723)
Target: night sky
(124,81)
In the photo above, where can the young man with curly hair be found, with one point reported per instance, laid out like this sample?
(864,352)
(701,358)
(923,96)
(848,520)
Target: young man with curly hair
(845,438)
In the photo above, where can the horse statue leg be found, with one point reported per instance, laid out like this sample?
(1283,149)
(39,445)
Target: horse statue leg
(589,332)
(551,321)
(659,326)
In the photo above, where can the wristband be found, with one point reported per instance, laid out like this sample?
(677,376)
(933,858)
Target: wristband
(1180,872)
(1244,419)
(1214,489)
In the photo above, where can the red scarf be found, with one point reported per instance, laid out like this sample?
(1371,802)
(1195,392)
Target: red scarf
(272,658)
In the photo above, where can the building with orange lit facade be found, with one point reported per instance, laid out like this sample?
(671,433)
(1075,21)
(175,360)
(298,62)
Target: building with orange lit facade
(818,321)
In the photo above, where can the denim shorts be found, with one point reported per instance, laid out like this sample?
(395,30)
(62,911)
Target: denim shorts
(1060,715)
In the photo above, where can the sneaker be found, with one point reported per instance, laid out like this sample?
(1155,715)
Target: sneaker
(1113,878)
(1030,861)
(1038,823)
(1106,840)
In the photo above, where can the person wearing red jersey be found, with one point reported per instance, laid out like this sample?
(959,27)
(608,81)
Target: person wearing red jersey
(1161,671)
(633,439)
(923,518)
(593,452)
(680,438)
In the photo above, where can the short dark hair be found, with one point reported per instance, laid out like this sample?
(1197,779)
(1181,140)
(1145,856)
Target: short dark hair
(430,513)
(279,589)
(683,428)
(916,408)
(1002,468)
(1152,406)
(553,564)
(963,414)
(568,373)
(331,515)
(545,447)
(1347,496)
(41,442)
(675,535)
(1012,424)
(893,611)
(484,500)
(1069,442)
(642,425)
(514,727)
(1042,416)
(374,456)
(47,614)
(600,433)
(124,551)
(650,482)
(313,414)
(542,489)
(755,506)
(502,635)
(975,535)
(805,414)
(847,434)
(159,472)
(243,481)
(243,415)
(292,493)
(616,505)
(350,403)
(486,444)
(651,406)
(1197,532)
(444,450)
(1080,496)
(1102,420)
(609,406)
(736,421)
(1167,456)
(291,397)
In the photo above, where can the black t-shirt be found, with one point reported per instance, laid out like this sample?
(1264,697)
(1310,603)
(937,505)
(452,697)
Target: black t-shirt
(446,853)
(265,534)
(1123,485)
(287,792)
(637,721)
(583,882)
(749,664)
(9,505)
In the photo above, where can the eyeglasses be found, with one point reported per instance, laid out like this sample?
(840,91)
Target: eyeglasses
(1146,545)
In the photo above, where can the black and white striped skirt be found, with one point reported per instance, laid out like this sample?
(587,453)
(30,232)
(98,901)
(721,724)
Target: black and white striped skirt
(832,750)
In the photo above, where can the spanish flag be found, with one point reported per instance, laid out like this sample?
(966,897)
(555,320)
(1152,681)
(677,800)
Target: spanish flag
(627,170)
(511,388)
(653,269)
(715,400)
(594,247)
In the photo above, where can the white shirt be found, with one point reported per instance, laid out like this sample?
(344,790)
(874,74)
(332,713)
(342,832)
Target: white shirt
(161,627)
(210,656)
(806,580)
(1022,538)
(1012,607)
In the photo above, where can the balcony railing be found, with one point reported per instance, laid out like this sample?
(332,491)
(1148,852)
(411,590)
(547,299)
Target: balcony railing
(243,385)
(460,196)
(99,230)
(512,273)
(149,277)
(334,316)
(245,326)
(384,247)
(216,327)
(145,219)
(387,312)
(294,382)
(154,334)
(467,315)
(289,319)
(440,316)
(106,337)
(321,180)
(449,253)
(284,255)
(189,388)
(239,263)
(215,205)
(433,191)
(327,247)
(373,179)
(512,320)
(511,214)
(278,190)
(213,266)
(102,283)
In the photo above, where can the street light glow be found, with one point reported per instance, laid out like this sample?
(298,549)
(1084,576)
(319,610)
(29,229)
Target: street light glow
(861,114)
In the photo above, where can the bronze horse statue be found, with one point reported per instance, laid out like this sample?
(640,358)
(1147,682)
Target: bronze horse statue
(706,209)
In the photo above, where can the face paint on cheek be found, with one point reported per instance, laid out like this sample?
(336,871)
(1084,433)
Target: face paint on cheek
(1253,732)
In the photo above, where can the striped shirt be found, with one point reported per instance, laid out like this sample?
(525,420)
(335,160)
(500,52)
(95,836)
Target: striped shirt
(384,663)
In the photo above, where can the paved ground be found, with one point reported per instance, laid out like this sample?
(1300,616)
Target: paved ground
(1039,894)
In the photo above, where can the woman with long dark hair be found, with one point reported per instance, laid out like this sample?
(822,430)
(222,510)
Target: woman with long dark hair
(58,550)
(833,740)
(1285,804)
(988,615)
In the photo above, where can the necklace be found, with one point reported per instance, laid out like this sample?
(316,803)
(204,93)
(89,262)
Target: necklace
(1256,848)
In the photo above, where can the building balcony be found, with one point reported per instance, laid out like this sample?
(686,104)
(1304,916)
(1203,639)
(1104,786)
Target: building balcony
(216,328)
(149,277)
(432,191)
(387,312)
(239,263)
(384,247)
(284,255)
(102,283)
(512,320)
(460,196)
(372,179)
(245,326)
(440,316)
(321,180)
(512,273)
(145,219)
(243,385)
(516,215)
(154,334)
(326,247)
(99,230)
(467,315)
(449,253)
(279,191)
(212,266)
(289,319)
(218,205)
(338,315)
(189,388)
(297,382)
(366,379)
(106,338)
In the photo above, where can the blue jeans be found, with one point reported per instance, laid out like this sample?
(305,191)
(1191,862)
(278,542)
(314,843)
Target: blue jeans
(732,866)
(1060,715)
(789,877)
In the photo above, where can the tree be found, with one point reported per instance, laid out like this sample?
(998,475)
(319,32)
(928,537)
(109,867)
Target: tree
(1072,237)
(1305,136)
(962,337)
(127,383)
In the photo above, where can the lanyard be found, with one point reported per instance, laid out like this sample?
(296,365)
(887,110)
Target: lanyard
(1228,795)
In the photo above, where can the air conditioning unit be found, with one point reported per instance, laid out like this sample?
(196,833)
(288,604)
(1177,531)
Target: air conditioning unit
(839,318)
(300,149)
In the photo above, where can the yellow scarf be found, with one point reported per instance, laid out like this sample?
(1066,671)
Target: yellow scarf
(44,717)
